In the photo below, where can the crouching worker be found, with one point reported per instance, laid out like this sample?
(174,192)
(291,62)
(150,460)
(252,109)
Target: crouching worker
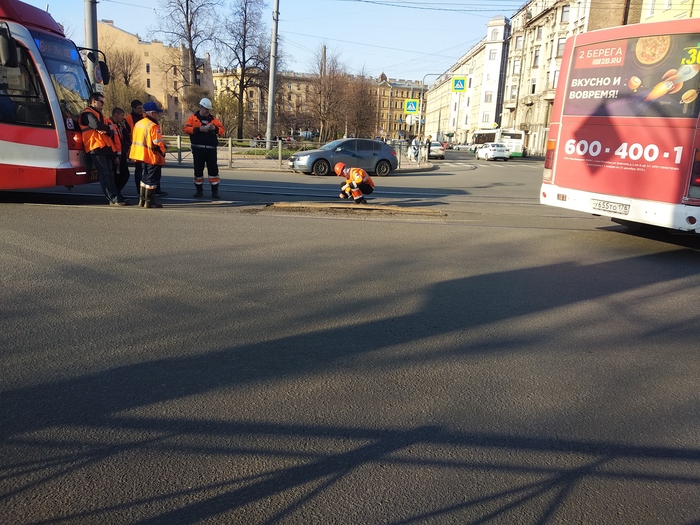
(357,183)
(147,146)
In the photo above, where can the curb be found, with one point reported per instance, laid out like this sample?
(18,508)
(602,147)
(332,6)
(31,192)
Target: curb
(355,207)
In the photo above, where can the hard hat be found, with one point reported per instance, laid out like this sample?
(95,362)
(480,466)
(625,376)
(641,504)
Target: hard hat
(205,103)
(339,169)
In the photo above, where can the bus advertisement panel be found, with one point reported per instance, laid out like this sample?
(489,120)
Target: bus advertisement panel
(623,130)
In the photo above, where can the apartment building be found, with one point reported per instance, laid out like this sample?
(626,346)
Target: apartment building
(662,10)
(162,69)
(293,104)
(452,115)
(392,121)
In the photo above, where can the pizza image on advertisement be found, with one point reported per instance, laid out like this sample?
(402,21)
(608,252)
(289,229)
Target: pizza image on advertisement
(651,49)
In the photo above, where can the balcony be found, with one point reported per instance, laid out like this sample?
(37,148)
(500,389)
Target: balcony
(549,94)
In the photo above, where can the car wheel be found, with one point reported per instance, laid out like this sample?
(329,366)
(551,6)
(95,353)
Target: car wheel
(321,168)
(506,159)
(382,169)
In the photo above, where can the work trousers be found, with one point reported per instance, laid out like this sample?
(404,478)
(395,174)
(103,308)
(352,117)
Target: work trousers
(138,172)
(151,176)
(205,157)
(104,164)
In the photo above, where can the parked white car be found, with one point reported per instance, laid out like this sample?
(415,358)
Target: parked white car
(437,151)
(493,151)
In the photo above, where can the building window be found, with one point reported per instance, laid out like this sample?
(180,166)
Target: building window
(564,14)
(468,101)
(455,107)
(513,92)
(148,68)
(492,54)
(533,86)
(516,66)
(488,97)
(176,101)
(174,70)
(556,79)
(494,34)
(560,46)
(177,115)
(289,96)
(486,118)
(667,4)
(148,82)
(519,42)
(538,33)
(175,85)
(536,58)
(470,82)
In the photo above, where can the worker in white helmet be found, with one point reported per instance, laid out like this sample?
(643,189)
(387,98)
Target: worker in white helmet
(204,130)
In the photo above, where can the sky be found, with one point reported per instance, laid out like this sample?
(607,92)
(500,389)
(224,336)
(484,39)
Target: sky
(405,39)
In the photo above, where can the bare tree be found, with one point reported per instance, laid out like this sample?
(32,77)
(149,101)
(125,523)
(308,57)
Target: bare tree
(361,106)
(330,93)
(124,65)
(248,49)
(189,23)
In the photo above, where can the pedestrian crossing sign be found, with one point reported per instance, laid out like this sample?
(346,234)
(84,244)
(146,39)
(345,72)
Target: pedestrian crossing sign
(459,84)
(411,106)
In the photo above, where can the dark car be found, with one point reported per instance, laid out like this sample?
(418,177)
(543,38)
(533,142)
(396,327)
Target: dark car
(371,155)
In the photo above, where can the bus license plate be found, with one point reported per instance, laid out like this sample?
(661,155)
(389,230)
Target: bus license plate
(610,207)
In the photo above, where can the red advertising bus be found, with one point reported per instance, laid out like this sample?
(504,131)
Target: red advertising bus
(43,89)
(623,139)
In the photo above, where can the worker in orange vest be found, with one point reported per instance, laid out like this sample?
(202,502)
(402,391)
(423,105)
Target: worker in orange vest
(357,183)
(147,146)
(99,146)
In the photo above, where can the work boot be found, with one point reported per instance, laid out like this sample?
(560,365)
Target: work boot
(199,194)
(215,191)
(150,200)
(142,196)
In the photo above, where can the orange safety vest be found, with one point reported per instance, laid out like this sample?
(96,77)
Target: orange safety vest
(147,143)
(358,176)
(94,139)
(117,139)
(130,121)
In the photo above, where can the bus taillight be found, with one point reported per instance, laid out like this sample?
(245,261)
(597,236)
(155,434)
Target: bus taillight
(75,140)
(694,189)
(549,159)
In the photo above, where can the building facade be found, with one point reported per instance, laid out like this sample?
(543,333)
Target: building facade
(452,115)
(393,123)
(162,69)
(663,10)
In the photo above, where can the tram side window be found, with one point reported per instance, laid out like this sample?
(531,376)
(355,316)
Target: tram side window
(22,97)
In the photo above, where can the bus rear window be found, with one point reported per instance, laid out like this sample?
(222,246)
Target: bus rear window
(651,76)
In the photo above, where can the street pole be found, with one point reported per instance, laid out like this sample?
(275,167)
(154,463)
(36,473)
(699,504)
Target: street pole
(273,76)
(91,39)
(422,96)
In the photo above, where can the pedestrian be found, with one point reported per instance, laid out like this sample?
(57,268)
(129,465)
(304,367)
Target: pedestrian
(427,145)
(204,130)
(148,147)
(415,144)
(98,144)
(357,183)
(120,139)
(131,120)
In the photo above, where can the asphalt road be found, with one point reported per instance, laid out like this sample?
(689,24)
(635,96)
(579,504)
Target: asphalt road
(452,353)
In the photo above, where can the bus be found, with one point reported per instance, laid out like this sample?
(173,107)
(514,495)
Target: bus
(512,138)
(43,89)
(623,139)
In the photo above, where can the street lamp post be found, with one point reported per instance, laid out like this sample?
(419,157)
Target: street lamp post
(422,96)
